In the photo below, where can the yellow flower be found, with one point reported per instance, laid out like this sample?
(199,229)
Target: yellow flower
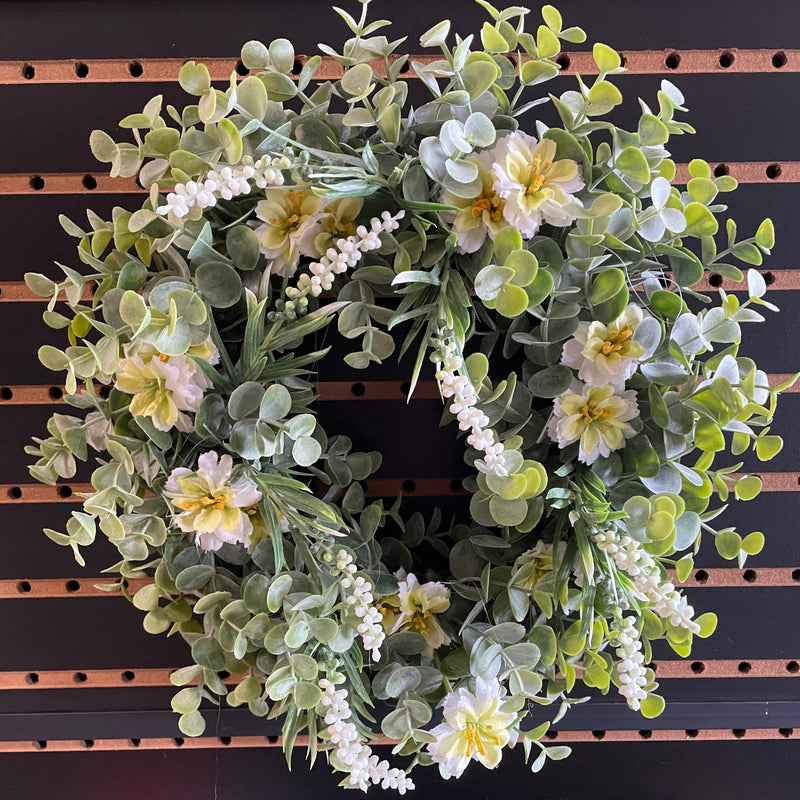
(337,222)
(474,727)
(536,187)
(606,354)
(596,417)
(291,218)
(417,607)
(482,215)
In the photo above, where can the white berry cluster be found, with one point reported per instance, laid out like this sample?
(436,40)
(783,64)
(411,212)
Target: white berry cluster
(358,595)
(345,255)
(625,637)
(224,184)
(629,556)
(353,755)
(464,405)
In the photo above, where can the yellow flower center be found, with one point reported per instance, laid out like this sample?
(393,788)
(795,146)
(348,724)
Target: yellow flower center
(218,501)
(292,221)
(163,358)
(489,201)
(591,414)
(535,176)
(476,733)
(616,341)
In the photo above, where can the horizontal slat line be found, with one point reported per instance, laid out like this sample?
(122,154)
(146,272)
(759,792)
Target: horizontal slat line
(725,577)
(637,62)
(159,676)
(374,487)
(778,279)
(330,391)
(227,742)
(100,183)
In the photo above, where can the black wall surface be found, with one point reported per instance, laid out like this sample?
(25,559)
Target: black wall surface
(45,127)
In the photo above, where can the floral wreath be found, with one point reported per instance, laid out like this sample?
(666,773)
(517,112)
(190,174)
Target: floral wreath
(278,207)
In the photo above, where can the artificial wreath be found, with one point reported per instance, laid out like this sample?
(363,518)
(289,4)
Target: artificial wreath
(467,228)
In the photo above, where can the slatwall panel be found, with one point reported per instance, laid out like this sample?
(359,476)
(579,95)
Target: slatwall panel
(84,697)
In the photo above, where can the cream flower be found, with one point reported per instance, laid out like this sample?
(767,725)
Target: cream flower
(536,188)
(474,727)
(291,218)
(337,222)
(210,505)
(605,354)
(163,387)
(482,215)
(595,416)
(415,609)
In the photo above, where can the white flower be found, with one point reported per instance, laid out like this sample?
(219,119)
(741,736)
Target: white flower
(536,187)
(474,727)
(605,354)
(595,416)
(163,387)
(419,605)
(210,505)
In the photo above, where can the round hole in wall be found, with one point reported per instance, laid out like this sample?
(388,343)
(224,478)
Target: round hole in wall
(80,677)
(178,740)
(721,169)
(82,70)
(551,735)
(55,393)
(698,667)
(672,61)
(739,733)
(779,59)
(701,576)
(64,491)
(773,171)
(715,280)
(726,59)
(88,743)
(358,389)
(793,667)
(128,676)
(32,678)
(456,485)
(691,733)
(36,183)
(786,732)
(135,69)
(769,278)
(72,586)
(599,735)
(297,66)
(23,587)
(14,492)
(564,61)
(744,667)
(6,393)
(749,576)
(241,69)
(645,734)
(225,740)
(89,182)
(28,72)
(409,485)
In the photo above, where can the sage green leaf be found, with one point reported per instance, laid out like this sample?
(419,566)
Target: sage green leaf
(218,284)
(551,382)
(194,78)
(631,162)
(275,403)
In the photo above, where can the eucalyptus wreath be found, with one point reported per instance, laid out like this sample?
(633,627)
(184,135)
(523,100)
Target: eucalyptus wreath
(547,275)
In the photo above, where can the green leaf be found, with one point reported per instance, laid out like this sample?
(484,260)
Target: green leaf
(533,72)
(765,235)
(218,283)
(753,543)
(307,695)
(194,78)
(192,724)
(492,40)
(606,285)
(667,304)
(631,162)
(207,653)
(699,220)
(606,58)
(551,382)
(547,42)
(748,487)
(479,75)
(728,544)
(277,592)
(707,623)
(652,706)
(276,402)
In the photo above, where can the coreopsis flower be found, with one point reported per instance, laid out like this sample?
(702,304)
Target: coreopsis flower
(482,215)
(415,607)
(337,221)
(595,416)
(164,387)
(535,186)
(605,354)
(291,222)
(210,504)
(474,727)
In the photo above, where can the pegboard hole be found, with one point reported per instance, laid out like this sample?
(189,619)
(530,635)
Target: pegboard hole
(749,576)
(796,575)
(405,388)
(456,485)
(769,278)
(128,676)
(645,734)
(40,744)
(623,59)
(551,735)
(72,586)
(744,667)
(241,69)
(564,61)
(104,392)
(36,183)
(726,59)
(89,182)
(701,576)
(23,587)
(134,742)
(297,66)
(698,667)
(407,66)
(55,393)
(652,665)
(786,732)
(88,743)
(721,170)
(64,491)
(225,740)
(6,393)
(272,739)
(178,740)
(358,389)
(135,69)
(81,70)
(739,733)
(32,678)
(715,280)
(28,72)
(599,735)
(773,171)
(691,733)
(793,667)
(224,674)
(80,677)
(672,61)
(14,492)
(779,60)
(409,485)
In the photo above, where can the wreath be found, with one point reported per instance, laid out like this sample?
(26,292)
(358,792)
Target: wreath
(562,257)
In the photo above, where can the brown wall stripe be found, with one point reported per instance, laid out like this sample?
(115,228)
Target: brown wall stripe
(724,577)
(100,183)
(637,62)
(159,676)
(374,487)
